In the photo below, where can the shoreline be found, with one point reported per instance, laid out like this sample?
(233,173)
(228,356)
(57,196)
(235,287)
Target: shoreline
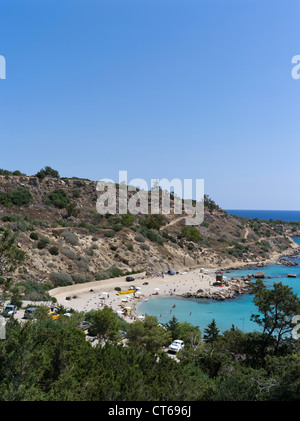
(185,284)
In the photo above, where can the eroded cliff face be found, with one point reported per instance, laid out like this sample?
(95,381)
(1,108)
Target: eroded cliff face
(87,245)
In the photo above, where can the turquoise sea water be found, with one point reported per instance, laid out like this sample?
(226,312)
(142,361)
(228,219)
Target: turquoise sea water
(237,311)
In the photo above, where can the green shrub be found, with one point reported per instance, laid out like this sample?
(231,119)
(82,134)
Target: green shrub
(6,172)
(76,193)
(232,252)
(89,251)
(17,197)
(19,223)
(139,238)
(58,198)
(169,237)
(54,251)
(34,291)
(191,233)
(153,236)
(47,172)
(61,279)
(82,265)
(112,272)
(34,236)
(127,220)
(265,244)
(39,223)
(11,218)
(70,238)
(72,209)
(109,234)
(89,227)
(69,253)
(153,221)
(42,243)
(117,227)
(79,278)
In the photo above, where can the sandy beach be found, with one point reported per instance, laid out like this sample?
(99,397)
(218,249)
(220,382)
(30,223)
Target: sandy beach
(94,295)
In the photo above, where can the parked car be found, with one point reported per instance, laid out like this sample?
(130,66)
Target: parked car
(123,334)
(129,279)
(9,310)
(176,345)
(53,315)
(84,325)
(29,313)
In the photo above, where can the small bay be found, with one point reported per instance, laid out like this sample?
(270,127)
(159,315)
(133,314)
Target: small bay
(237,311)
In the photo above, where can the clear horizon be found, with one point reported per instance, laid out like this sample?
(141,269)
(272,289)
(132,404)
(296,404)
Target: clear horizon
(272,210)
(162,89)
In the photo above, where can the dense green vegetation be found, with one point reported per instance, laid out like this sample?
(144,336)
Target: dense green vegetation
(58,198)
(17,197)
(7,172)
(53,360)
(47,172)
(191,233)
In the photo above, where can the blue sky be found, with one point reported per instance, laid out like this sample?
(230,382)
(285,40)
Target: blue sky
(160,88)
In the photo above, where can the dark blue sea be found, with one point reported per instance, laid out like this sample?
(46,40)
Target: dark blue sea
(237,311)
(266,215)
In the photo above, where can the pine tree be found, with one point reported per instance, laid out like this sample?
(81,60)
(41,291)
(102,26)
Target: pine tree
(211,332)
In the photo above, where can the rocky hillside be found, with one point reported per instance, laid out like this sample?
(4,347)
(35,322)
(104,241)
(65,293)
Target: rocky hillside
(66,241)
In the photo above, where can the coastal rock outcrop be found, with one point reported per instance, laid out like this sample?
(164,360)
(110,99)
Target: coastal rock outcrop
(236,286)
(287,262)
(259,274)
